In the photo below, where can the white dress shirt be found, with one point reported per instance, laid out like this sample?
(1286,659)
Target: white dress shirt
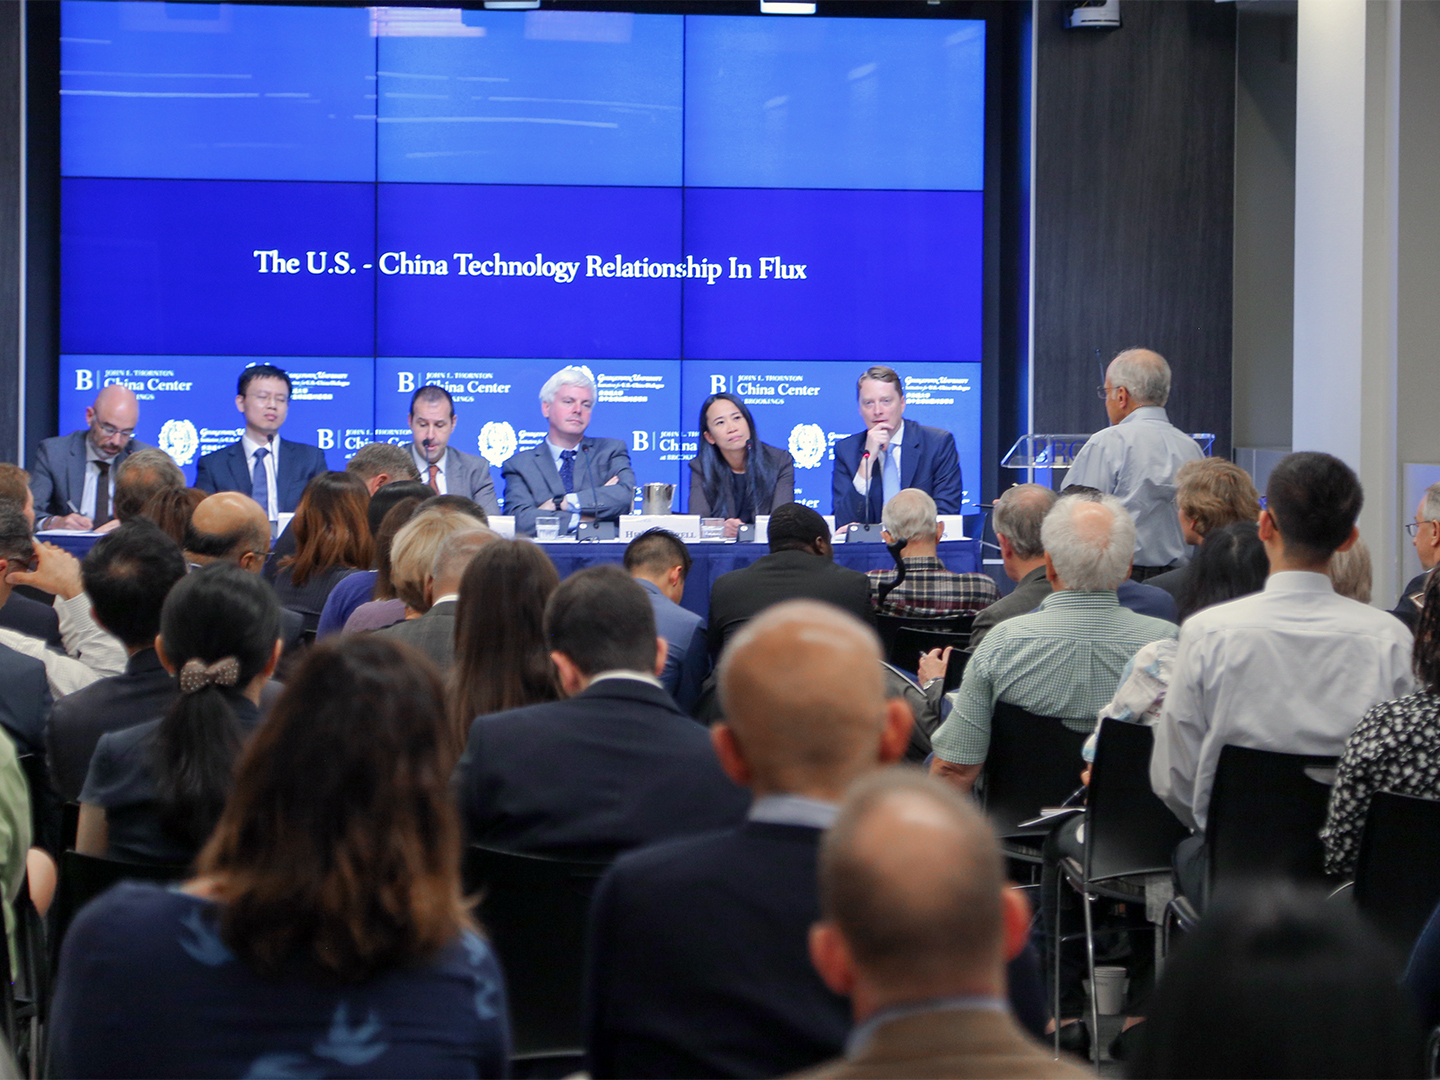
(91,653)
(424,466)
(1292,669)
(1136,460)
(892,451)
(272,469)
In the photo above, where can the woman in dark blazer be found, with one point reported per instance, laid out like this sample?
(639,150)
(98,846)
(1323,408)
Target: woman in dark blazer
(735,475)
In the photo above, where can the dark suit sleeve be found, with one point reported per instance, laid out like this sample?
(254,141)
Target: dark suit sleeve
(318,465)
(520,501)
(49,500)
(203,478)
(617,498)
(475,814)
(694,666)
(482,489)
(843,500)
(946,487)
(697,503)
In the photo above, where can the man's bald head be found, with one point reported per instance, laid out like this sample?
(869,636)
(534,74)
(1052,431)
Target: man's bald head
(803,694)
(228,527)
(911,878)
(112,419)
(1089,540)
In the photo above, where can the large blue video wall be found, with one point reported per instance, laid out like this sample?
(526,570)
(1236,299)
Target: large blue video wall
(378,198)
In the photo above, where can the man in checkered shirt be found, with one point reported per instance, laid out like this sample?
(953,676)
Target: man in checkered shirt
(929,591)
(1064,660)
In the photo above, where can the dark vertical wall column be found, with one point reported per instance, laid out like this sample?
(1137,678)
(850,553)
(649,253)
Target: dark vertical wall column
(1134,201)
(11,128)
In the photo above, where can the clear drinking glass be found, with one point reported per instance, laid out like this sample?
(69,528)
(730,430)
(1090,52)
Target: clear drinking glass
(547,528)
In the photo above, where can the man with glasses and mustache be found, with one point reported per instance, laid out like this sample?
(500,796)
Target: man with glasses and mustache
(73,476)
(1425,535)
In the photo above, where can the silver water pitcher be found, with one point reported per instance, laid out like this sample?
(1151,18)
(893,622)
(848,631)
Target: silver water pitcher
(656,498)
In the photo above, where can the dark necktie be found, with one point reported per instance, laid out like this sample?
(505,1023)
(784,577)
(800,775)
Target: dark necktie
(102,494)
(567,470)
(260,481)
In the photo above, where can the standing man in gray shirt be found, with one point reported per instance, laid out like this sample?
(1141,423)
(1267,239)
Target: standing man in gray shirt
(1136,458)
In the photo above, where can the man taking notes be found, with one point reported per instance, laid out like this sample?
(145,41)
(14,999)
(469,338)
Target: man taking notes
(73,476)
(448,471)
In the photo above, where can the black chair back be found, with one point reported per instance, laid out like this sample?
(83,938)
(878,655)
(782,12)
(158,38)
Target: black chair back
(533,909)
(1266,812)
(84,877)
(905,637)
(1128,829)
(1397,872)
(1033,761)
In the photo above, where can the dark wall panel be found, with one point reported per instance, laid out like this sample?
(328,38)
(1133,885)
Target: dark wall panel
(1134,181)
(9,228)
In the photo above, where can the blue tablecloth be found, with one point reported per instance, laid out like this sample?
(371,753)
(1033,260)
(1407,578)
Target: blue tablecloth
(711,560)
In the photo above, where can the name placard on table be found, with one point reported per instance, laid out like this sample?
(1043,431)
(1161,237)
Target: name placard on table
(685,526)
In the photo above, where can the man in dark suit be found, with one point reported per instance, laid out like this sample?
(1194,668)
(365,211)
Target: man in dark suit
(127,576)
(660,562)
(1425,535)
(615,765)
(800,566)
(271,470)
(434,632)
(445,469)
(916,924)
(874,466)
(73,476)
(569,475)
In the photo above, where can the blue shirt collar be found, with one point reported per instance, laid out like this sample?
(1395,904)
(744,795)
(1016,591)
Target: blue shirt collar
(862,1035)
(793,810)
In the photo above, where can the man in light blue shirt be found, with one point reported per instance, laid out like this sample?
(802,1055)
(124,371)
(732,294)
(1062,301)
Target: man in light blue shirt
(1136,458)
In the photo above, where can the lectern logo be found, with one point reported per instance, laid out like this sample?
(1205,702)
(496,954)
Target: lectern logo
(180,440)
(807,445)
(497,442)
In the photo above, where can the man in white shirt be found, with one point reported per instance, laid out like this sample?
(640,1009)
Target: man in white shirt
(1136,458)
(1292,668)
(446,470)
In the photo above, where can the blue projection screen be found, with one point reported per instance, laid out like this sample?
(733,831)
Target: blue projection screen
(379,198)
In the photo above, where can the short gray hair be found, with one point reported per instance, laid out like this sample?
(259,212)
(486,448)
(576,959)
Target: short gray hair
(910,515)
(569,376)
(1144,373)
(457,551)
(375,458)
(1430,505)
(1081,563)
(1019,514)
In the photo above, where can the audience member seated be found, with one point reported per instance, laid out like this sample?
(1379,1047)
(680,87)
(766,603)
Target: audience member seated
(1395,747)
(929,591)
(1064,660)
(332,540)
(451,541)
(916,924)
(73,476)
(381,463)
(155,790)
(660,562)
(457,504)
(1349,571)
(616,765)
(502,652)
(1291,669)
(138,479)
(172,508)
(324,933)
(383,607)
(90,652)
(359,587)
(1016,521)
(1141,599)
(127,574)
(800,566)
(1279,983)
(1425,535)
(23,613)
(1210,493)
(805,715)
(15,833)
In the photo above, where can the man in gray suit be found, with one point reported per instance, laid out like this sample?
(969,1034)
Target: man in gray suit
(434,632)
(445,469)
(73,476)
(569,475)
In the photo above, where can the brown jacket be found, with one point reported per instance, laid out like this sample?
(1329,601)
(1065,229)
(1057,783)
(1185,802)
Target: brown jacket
(956,1043)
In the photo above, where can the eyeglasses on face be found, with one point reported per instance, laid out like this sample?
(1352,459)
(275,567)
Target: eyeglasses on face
(1414,527)
(110,431)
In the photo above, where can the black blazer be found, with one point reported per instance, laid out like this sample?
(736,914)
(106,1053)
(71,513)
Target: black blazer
(698,962)
(25,700)
(783,575)
(33,619)
(782,493)
(226,470)
(610,769)
(144,692)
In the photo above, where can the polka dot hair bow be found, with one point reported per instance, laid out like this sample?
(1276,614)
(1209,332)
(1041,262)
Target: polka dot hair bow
(196,674)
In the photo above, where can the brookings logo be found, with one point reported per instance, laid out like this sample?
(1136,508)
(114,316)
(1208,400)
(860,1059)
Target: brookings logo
(497,442)
(807,445)
(180,440)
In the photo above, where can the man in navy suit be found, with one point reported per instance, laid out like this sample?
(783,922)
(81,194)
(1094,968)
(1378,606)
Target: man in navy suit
(73,476)
(446,470)
(613,766)
(698,948)
(569,475)
(891,455)
(660,562)
(271,470)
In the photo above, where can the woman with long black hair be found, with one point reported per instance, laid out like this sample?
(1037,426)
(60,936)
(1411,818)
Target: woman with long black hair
(735,475)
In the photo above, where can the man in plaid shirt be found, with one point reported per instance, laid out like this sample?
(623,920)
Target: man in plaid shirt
(929,591)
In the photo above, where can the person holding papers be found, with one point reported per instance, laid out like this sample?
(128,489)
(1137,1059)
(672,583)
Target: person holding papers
(735,475)
(569,475)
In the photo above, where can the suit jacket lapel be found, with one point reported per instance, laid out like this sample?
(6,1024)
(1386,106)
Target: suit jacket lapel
(548,473)
(75,471)
(240,475)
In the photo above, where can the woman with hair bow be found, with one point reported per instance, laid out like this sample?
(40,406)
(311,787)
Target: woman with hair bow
(155,791)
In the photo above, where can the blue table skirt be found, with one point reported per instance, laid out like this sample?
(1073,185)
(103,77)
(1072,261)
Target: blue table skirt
(711,560)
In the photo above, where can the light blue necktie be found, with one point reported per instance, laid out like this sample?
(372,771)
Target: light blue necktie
(890,474)
(260,481)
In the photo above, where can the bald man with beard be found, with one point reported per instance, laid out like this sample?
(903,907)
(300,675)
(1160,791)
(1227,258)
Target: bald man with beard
(698,962)
(73,476)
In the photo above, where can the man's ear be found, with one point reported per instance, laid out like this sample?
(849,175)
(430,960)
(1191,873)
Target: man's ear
(732,757)
(831,958)
(274,660)
(429,590)
(240,402)
(1050,574)
(572,679)
(1267,527)
(1350,540)
(1016,918)
(160,652)
(939,531)
(895,735)
(676,578)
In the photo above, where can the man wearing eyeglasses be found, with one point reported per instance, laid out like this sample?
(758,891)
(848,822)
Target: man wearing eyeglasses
(73,476)
(1425,535)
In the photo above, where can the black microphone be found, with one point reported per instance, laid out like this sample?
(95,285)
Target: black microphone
(868,478)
